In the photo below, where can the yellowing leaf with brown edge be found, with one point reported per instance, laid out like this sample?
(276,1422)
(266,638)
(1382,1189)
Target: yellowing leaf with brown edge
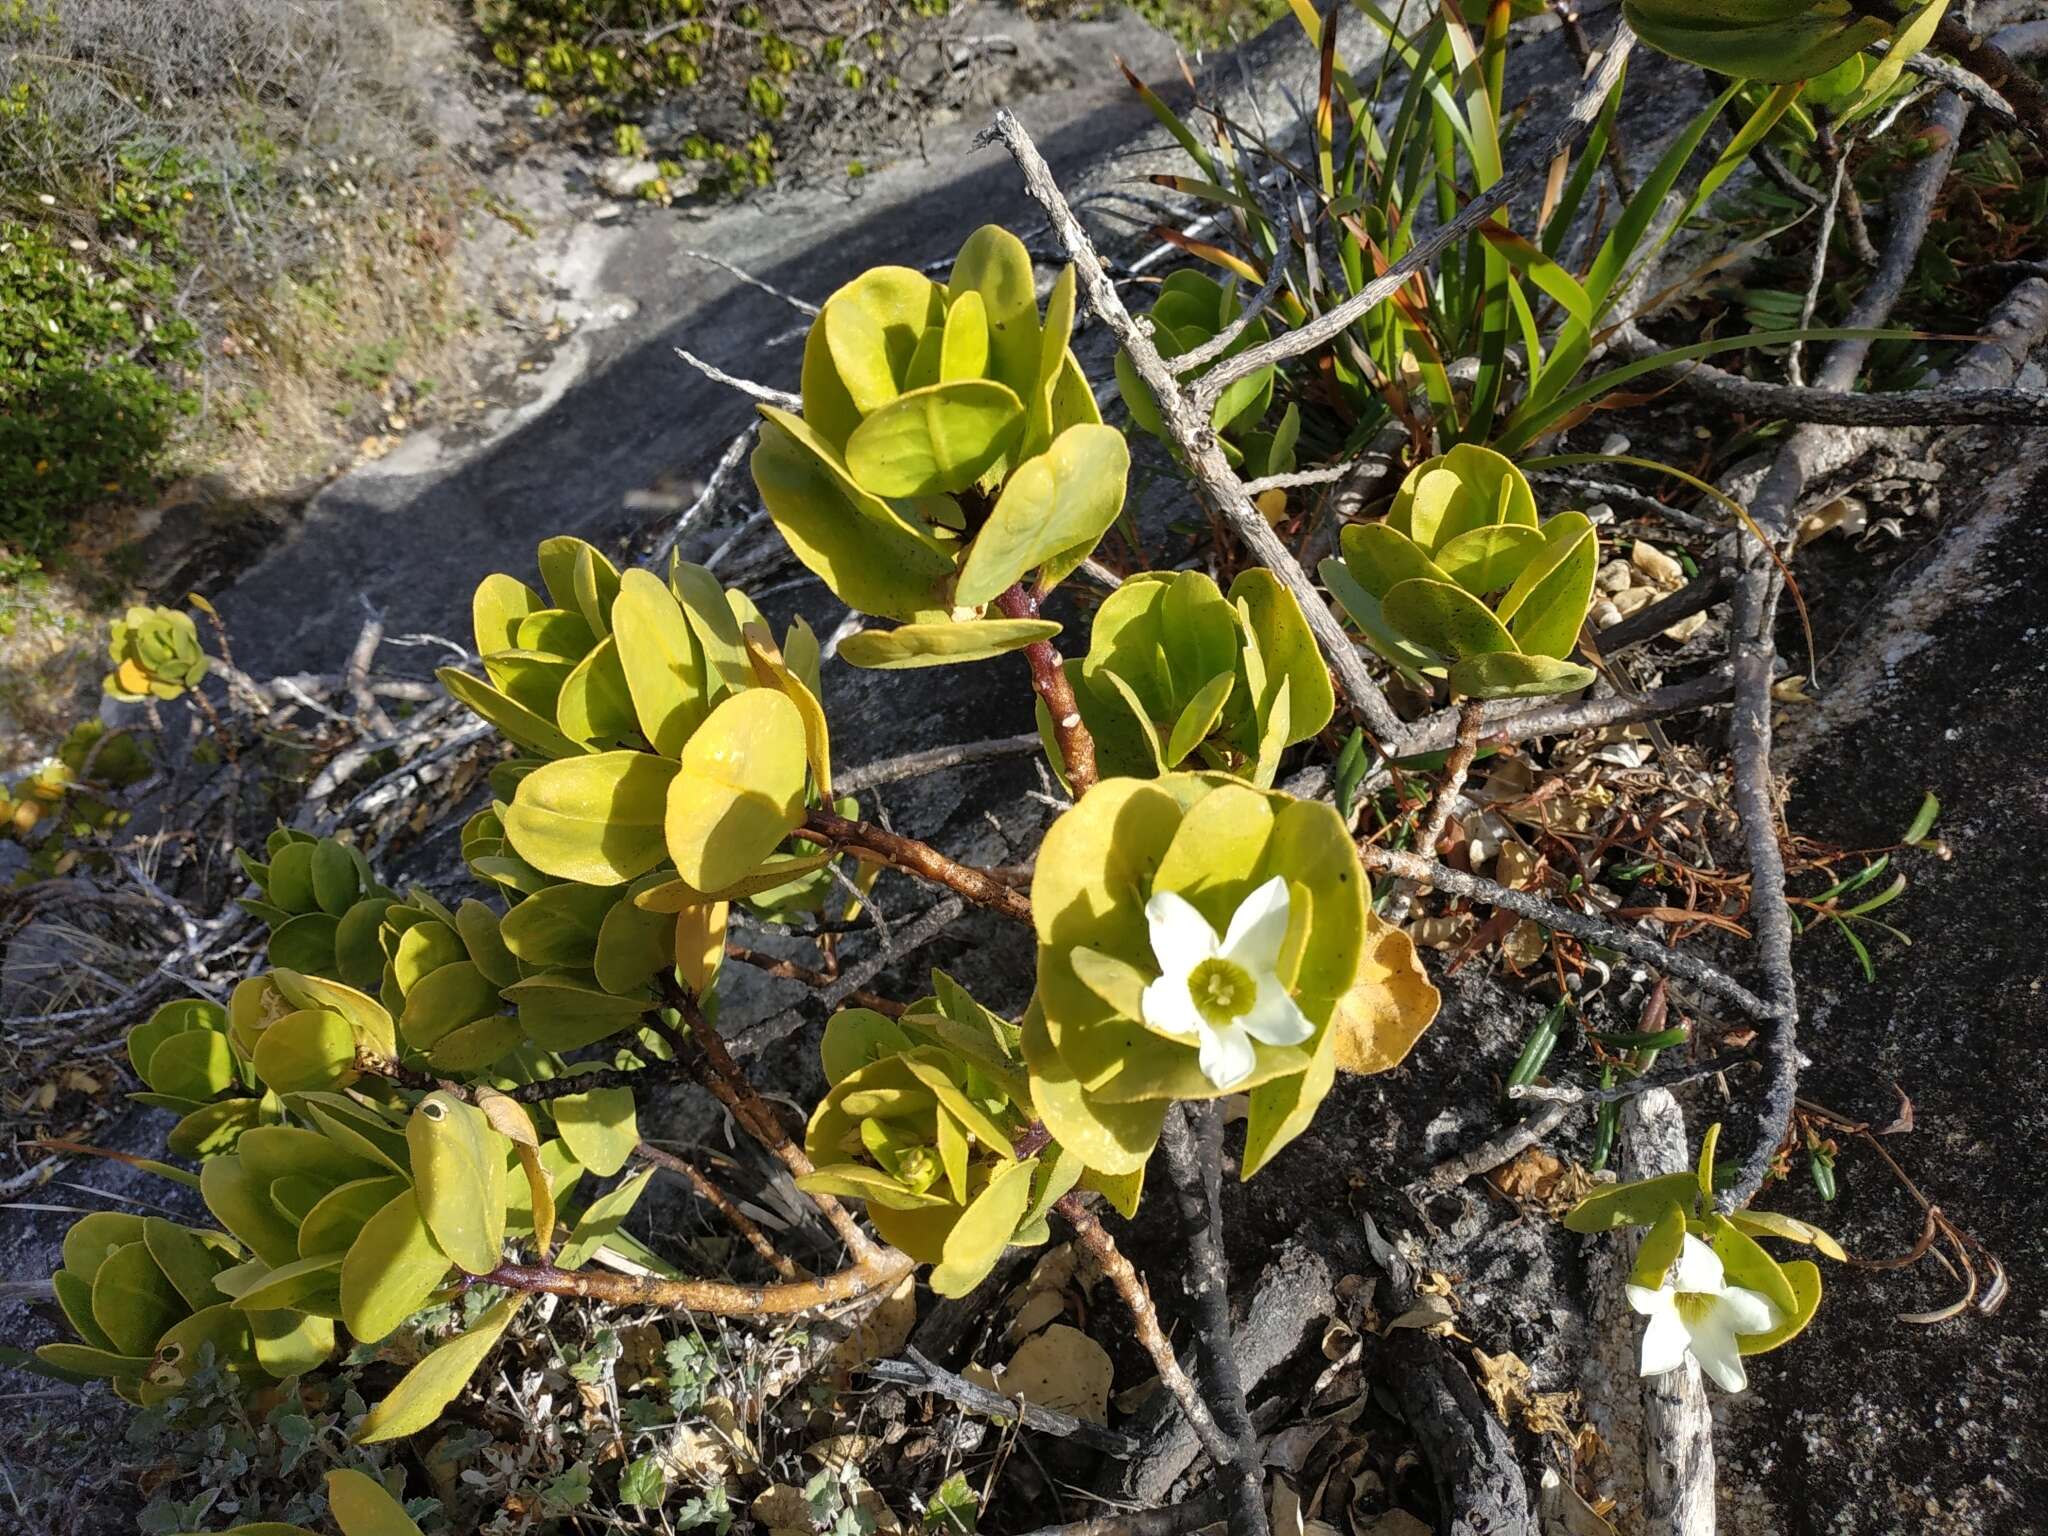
(1064,1370)
(432,1385)
(361,1506)
(740,791)
(1388,1007)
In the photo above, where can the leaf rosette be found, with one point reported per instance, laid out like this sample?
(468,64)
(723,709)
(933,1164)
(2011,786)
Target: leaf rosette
(922,1124)
(1461,581)
(156,654)
(948,448)
(1176,673)
(1102,1077)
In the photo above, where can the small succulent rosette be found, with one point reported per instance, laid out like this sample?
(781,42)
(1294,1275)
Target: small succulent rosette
(948,449)
(1461,581)
(1191,310)
(1704,1283)
(1783,41)
(156,655)
(923,1122)
(1198,937)
(306,891)
(1176,673)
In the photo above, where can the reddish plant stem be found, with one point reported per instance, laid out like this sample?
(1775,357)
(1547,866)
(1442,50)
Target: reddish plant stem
(723,1078)
(865,840)
(1130,1286)
(1456,766)
(722,1203)
(1049,678)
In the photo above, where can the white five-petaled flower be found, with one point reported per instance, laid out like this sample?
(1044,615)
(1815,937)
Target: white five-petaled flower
(1696,1312)
(1222,994)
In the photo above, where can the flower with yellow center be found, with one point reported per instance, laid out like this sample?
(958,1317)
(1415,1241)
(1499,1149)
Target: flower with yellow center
(1223,994)
(1695,1311)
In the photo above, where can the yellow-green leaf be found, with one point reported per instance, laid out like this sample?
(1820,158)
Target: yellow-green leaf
(1063,499)
(739,792)
(416,1402)
(458,1169)
(942,644)
(390,1271)
(594,819)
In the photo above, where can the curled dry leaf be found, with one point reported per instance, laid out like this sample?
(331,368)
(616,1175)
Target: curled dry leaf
(1062,1369)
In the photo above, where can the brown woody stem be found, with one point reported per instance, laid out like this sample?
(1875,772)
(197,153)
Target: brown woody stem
(865,840)
(722,1203)
(1049,678)
(1130,1285)
(881,1272)
(1456,765)
(729,1085)
(789,970)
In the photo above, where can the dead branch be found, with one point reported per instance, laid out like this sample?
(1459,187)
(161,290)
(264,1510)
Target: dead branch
(1191,1141)
(1214,479)
(1465,747)
(921,1375)
(914,765)
(1489,1154)
(1579,925)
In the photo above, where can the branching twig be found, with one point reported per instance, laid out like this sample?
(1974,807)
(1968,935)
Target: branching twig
(913,765)
(1214,479)
(864,840)
(722,1203)
(1471,715)
(1130,1286)
(778,397)
(1593,930)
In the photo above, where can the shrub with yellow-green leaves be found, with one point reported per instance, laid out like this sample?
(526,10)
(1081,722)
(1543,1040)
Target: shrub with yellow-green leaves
(1176,673)
(1461,581)
(156,654)
(948,449)
(671,728)
(316,896)
(923,1122)
(1199,937)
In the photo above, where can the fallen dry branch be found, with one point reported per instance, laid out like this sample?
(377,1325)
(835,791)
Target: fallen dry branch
(1593,930)
(921,1375)
(878,845)
(878,1274)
